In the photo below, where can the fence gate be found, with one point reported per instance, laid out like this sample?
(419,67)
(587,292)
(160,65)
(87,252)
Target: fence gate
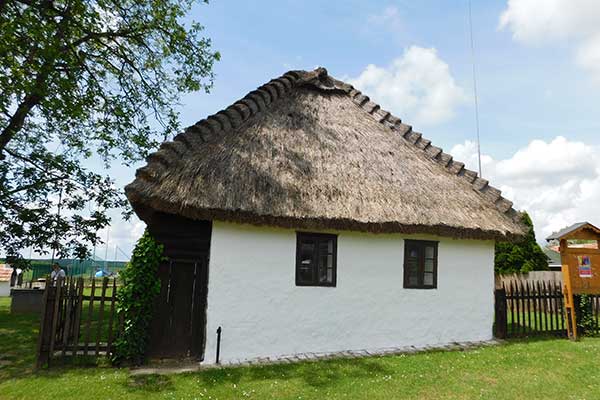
(534,309)
(178,326)
(77,319)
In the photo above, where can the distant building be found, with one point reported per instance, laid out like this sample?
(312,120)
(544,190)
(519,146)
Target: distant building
(552,250)
(553,256)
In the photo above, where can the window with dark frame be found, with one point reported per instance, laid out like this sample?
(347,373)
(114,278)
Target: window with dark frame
(420,264)
(316,259)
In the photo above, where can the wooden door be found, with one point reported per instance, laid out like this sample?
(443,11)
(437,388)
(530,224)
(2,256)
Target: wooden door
(178,327)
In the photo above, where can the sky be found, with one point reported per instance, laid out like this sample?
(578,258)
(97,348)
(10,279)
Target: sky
(537,65)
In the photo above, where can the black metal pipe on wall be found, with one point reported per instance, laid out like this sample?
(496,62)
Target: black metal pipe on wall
(218,343)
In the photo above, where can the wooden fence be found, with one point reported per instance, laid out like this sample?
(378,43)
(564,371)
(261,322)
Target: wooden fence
(532,277)
(534,309)
(77,320)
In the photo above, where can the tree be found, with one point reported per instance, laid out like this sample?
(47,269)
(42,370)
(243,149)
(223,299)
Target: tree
(95,80)
(523,256)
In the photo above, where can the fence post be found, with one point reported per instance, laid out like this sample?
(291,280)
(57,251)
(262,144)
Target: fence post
(43,355)
(500,313)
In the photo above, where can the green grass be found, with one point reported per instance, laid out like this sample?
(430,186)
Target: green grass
(535,320)
(542,369)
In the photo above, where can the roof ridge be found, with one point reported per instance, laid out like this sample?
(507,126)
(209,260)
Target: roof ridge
(434,153)
(260,99)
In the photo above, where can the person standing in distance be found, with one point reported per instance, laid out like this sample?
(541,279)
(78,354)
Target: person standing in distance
(57,273)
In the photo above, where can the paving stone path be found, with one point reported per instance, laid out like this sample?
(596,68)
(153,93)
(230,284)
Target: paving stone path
(170,368)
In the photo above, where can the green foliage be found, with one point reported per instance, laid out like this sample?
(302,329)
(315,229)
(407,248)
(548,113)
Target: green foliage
(135,300)
(585,320)
(18,262)
(86,82)
(523,256)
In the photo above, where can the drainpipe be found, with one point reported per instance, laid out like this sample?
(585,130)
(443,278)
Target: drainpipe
(218,343)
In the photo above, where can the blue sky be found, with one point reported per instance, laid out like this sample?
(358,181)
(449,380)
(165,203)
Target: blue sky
(524,91)
(538,87)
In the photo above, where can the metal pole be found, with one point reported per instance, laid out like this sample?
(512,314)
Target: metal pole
(218,343)
(106,249)
(57,219)
(475,90)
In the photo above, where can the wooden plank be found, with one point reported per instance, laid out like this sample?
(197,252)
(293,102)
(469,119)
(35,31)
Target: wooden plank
(161,320)
(89,318)
(517,297)
(199,321)
(59,284)
(182,275)
(535,307)
(512,309)
(500,312)
(113,299)
(528,308)
(555,323)
(41,358)
(101,314)
(521,309)
(545,306)
(542,306)
(67,325)
(562,311)
(95,298)
(551,306)
(78,309)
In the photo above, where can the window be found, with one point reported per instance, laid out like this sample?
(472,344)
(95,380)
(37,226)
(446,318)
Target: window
(316,259)
(420,264)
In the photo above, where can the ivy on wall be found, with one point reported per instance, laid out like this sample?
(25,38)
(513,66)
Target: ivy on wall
(140,285)
(585,320)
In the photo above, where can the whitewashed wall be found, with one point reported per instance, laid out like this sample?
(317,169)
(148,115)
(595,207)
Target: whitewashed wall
(253,297)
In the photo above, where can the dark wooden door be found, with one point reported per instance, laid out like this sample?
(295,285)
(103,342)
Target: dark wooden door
(178,327)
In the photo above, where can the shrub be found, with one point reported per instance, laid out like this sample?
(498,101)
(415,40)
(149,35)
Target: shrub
(586,322)
(135,301)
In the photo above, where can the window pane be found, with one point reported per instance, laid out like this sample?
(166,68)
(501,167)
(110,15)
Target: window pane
(428,265)
(413,280)
(413,252)
(307,250)
(412,271)
(429,251)
(306,267)
(428,279)
(326,261)
(325,275)
(305,274)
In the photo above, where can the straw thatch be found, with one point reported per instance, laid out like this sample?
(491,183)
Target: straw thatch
(307,151)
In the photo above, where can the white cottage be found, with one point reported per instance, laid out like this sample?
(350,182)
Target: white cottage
(304,218)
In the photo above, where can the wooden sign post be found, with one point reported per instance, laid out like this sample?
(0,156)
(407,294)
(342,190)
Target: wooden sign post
(580,259)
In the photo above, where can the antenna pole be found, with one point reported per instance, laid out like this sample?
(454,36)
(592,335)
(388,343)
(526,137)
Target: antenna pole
(475,89)
(106,248)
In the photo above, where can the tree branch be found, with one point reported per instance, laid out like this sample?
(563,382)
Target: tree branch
(35,185)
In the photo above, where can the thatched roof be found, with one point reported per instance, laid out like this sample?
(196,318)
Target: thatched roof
(307,151)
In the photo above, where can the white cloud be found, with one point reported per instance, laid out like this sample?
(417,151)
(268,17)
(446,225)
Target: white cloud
(556,182)
(389,18)
(545,21)
(122,234)
(588,56)
(417,86)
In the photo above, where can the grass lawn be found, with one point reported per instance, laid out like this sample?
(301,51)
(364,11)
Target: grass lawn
(544,369)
